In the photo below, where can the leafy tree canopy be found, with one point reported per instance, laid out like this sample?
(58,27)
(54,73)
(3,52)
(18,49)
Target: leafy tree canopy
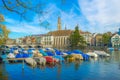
(76,40)
(106,38)
(4,32)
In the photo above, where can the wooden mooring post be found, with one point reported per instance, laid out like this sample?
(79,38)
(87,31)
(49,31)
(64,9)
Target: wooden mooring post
(23,64)
(14,59)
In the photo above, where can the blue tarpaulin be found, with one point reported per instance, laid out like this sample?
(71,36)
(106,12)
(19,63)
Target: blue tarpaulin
(59,58)
(85,56)
(58,52)
(43,52)
(30,51)
(18,55)
(49,53)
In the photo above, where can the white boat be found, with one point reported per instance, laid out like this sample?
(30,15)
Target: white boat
(16,52)
(10,55)
(25,51)
(41,60)
(31,61)
(64,54)
(102,53)
(92,54)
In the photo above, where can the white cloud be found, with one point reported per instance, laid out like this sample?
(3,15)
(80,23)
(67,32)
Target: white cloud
(24,27)
(97,16)
(102,15)
(70,19)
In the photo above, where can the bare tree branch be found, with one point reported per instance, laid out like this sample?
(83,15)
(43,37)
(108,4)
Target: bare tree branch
(5,5)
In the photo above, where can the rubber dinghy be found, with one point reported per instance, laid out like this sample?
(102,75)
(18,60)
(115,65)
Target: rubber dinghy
(31,61)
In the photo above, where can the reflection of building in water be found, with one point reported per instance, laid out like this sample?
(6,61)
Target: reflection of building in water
(59,71)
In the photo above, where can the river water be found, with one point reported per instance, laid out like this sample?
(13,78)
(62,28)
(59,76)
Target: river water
(94,69)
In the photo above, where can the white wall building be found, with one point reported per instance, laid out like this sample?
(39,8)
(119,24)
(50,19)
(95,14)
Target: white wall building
(19,41)
(47,41)
(115,40)
(87,37)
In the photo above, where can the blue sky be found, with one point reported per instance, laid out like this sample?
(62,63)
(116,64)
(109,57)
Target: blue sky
(91,15)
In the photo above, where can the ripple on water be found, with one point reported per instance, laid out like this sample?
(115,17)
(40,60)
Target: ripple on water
(95,69)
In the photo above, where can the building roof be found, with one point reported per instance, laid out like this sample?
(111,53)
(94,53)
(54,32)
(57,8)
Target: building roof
(81,32)
(61,33)
(98,35)
(114,34)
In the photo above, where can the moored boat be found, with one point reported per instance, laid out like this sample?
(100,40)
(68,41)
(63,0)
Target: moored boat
(31,61)
(102,53)
(59,58)
(92,54)
(85,56)
(41,60)
(10,55)
(49,59)
(77,56)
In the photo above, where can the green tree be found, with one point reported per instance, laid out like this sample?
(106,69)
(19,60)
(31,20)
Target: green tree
(3,31)
(76,40)
(106,39)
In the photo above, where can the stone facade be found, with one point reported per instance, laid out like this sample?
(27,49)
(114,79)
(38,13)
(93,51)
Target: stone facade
(47,41)
(87,37)
(10,41)
(61,38)
(19,41)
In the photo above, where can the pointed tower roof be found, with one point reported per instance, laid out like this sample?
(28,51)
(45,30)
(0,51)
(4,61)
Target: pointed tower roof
(65,27)
(59,23)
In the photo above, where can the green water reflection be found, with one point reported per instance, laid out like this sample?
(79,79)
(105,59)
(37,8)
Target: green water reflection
(3,73)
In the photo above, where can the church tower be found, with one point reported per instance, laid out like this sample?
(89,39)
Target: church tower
(65,27)
(59,24)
